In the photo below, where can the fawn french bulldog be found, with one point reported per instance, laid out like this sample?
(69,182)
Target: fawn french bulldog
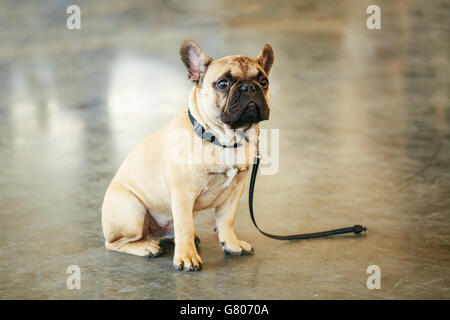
(153,197)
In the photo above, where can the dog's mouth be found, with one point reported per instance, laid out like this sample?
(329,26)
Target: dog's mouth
(244,109)
(252,105)
(251,113)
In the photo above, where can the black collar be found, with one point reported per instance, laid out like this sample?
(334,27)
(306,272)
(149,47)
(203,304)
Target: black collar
(208,136)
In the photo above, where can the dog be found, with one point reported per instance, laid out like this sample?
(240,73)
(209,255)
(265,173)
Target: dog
(154,197)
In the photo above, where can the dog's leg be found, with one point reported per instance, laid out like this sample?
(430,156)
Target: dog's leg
(124,224)
(186,256)
(144,248)
(225,215)
(171,240)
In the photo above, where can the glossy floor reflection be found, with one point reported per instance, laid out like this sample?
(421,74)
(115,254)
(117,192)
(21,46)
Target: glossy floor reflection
(364,121)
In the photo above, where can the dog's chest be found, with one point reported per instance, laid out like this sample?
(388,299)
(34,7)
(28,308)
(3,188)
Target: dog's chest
(219,183)
(229,176)
(223,177)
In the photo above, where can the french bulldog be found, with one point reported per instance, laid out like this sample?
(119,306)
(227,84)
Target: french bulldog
(153,196)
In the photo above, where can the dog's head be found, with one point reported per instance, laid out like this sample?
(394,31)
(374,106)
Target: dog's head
(235,89)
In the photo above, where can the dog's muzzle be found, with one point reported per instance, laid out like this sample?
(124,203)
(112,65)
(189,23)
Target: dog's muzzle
(246,105)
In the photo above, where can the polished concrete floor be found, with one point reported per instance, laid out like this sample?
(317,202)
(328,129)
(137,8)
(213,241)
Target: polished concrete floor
(364,121)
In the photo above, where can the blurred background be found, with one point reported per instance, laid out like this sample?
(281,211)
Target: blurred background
(364,119)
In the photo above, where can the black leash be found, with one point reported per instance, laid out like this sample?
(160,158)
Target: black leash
(355,229)
(202,133)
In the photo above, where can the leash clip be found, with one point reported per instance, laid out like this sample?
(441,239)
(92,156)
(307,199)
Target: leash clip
(257,153)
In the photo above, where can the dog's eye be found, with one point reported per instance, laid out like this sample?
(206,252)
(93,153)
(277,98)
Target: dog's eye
(223,84)
(264,82)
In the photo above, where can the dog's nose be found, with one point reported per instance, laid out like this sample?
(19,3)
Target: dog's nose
(248,87)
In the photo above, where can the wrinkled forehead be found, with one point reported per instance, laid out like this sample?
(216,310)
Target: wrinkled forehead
(239,67)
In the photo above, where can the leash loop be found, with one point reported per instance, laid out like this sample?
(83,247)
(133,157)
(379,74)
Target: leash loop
(355,229)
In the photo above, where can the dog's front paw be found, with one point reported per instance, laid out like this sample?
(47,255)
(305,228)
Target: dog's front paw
(237,248)
(187,259)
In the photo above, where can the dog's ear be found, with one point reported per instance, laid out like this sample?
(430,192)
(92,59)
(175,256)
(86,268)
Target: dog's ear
(195,60)
(265,58)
